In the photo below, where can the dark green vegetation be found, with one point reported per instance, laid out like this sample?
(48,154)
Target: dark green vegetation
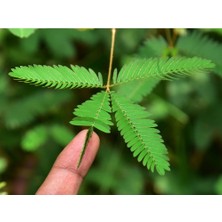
(34,120)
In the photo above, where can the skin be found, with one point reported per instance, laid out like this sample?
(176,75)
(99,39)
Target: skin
(65,177)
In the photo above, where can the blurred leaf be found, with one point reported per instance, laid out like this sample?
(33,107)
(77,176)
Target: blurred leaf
(114,174)
(176,184)
(137,90)
(198,44)
(217,30)
(40,134)
(61,134)
(59,42)
(2,184)
(202,134)
(22,33)
(160,109)
(34,138)
(3,33)
(2,187)
(208,125)
(105,181)
(3,82)
(155,46)
(218,186)
(131,182)
(3,164)
(180,31)
(32,44)
(4,85)
(192,94)
(128,39)
(24,110)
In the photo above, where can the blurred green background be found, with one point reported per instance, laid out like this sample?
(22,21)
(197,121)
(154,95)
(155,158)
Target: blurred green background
(34,121)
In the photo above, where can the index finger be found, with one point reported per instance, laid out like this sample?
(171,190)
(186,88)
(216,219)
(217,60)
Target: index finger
(65,177)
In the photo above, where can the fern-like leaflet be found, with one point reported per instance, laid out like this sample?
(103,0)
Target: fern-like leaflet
(94,113)
(140,134)
(136,90)
(59,77)
(164,68)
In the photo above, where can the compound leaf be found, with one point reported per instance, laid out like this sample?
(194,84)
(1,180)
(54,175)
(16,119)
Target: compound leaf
(140,134)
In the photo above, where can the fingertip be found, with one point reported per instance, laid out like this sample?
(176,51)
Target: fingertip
(95,139)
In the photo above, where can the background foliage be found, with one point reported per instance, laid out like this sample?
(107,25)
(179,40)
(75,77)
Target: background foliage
(34,121)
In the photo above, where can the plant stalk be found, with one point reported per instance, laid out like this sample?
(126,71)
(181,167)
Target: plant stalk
(111,59)
(169,38)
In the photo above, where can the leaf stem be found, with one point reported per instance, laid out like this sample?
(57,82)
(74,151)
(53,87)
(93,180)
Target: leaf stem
(111,59)
(169,38)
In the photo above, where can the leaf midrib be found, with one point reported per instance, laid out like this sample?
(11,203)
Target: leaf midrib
(137,133)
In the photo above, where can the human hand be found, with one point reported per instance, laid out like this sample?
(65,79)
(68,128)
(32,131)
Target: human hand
(65,177)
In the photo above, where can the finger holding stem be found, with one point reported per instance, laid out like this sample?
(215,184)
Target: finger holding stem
(65,177)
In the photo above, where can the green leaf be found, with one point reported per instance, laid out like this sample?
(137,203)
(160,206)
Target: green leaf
(94,113)
(218,185)
(119,175)
(140,134)
(2,188)
(155,46)
(161,108)
(2,185)
(108,170)
(162,68)
(22,33)
(24,110)
(35,138)
(59,42)
(138,89)
(61,134)
(3,164)
(198,44)
(115,76)
(59,77)
(207,127)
